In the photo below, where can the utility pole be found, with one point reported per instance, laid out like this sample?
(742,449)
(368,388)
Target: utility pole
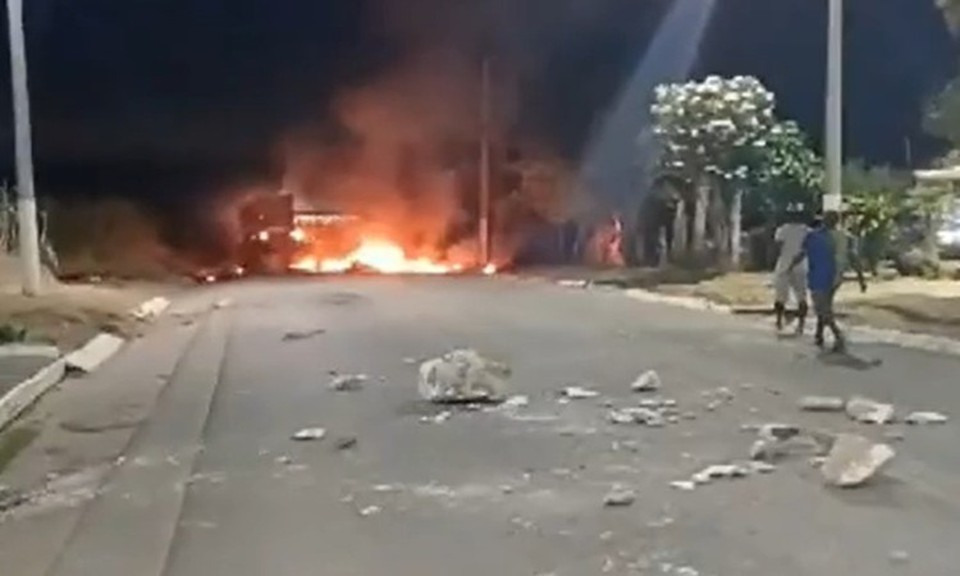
(484,214)
(28,237)
(833,200)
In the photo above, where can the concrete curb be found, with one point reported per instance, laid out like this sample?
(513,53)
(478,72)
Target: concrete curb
(24,394)
(95,352)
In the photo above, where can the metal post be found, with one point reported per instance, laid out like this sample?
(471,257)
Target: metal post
(833,199)
(29,244)
(484,228)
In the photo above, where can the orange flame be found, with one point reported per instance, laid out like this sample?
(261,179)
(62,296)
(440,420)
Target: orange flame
(380,256)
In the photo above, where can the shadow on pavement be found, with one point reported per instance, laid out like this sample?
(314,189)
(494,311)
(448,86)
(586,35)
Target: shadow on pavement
(848,360)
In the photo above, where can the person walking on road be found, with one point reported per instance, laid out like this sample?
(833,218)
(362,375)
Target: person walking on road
(827,249)
(789,279)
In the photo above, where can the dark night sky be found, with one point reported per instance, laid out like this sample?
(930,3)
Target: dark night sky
(168,96)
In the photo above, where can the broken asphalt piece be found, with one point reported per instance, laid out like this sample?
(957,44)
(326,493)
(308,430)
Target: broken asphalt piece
(869,411)
(854,460)
(649,381)
(463,376)
(822,404)
(918,418)
(345,443)
(310,434)
(348,382)
(303,335)
(619,497)
(579,393)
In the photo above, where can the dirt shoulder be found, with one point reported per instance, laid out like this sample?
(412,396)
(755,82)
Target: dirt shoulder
(891,302)
(906,304)
(67,315)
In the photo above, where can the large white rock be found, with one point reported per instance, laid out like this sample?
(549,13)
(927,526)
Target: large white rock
(463,376)
(854,460)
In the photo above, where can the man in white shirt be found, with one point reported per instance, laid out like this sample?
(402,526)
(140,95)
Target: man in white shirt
(789,238)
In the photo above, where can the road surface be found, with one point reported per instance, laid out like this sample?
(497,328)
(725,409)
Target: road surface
(212,485)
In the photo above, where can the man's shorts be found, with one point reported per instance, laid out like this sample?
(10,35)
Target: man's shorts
(790,281)
(823,302)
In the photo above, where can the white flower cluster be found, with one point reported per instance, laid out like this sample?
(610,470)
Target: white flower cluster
(715,125)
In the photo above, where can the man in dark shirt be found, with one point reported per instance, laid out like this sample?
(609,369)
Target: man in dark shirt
(827,251)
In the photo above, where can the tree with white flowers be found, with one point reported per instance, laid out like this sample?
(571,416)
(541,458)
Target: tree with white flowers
(713,136)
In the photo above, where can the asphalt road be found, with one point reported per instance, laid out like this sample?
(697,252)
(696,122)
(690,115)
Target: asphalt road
(213,485)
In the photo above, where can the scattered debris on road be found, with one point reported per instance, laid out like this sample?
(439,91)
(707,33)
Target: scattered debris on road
(463,376)
(649,381)
(348,382)
(919,418)
(869,411)
(579,393)
(822,404)
(854,460)
(369,511)
(720,472)
(437,418)
(644,416)
(150,309)
(310,434)
(619,497)
(516,402)
(684,485)
(303,334)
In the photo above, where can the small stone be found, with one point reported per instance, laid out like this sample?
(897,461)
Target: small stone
(579,393)
(437,418)
(348,382)
(713,405)
(899,556)
(778,432)
(619,497)
(763,467)
(684,485)
(919,418)
(517,402)
(620,417)
(285,460)
(822,404)
(673,419)
(346,443)
(369,511)
(310,434)
(854,460)
(817,461)
(649,381)
(506,489)
(606,536)
(686,571)
(869,411)
(722,471)
(725,393)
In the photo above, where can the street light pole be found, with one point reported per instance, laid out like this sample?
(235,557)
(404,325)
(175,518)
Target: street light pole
(833,150)
(27,237)
(484,207)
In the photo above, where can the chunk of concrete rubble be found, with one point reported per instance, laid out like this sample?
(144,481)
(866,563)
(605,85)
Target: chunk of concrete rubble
(644,416)
(720,472)
(822,404)
(919,418)
(778,431)
(516,402)
(348,382)
(150,309)
(762,467)
(869,411)
(684,485)
(619,497)
(649,381)
(854,460)
(463,376)
(437,418)
(579,393)
(310,434)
